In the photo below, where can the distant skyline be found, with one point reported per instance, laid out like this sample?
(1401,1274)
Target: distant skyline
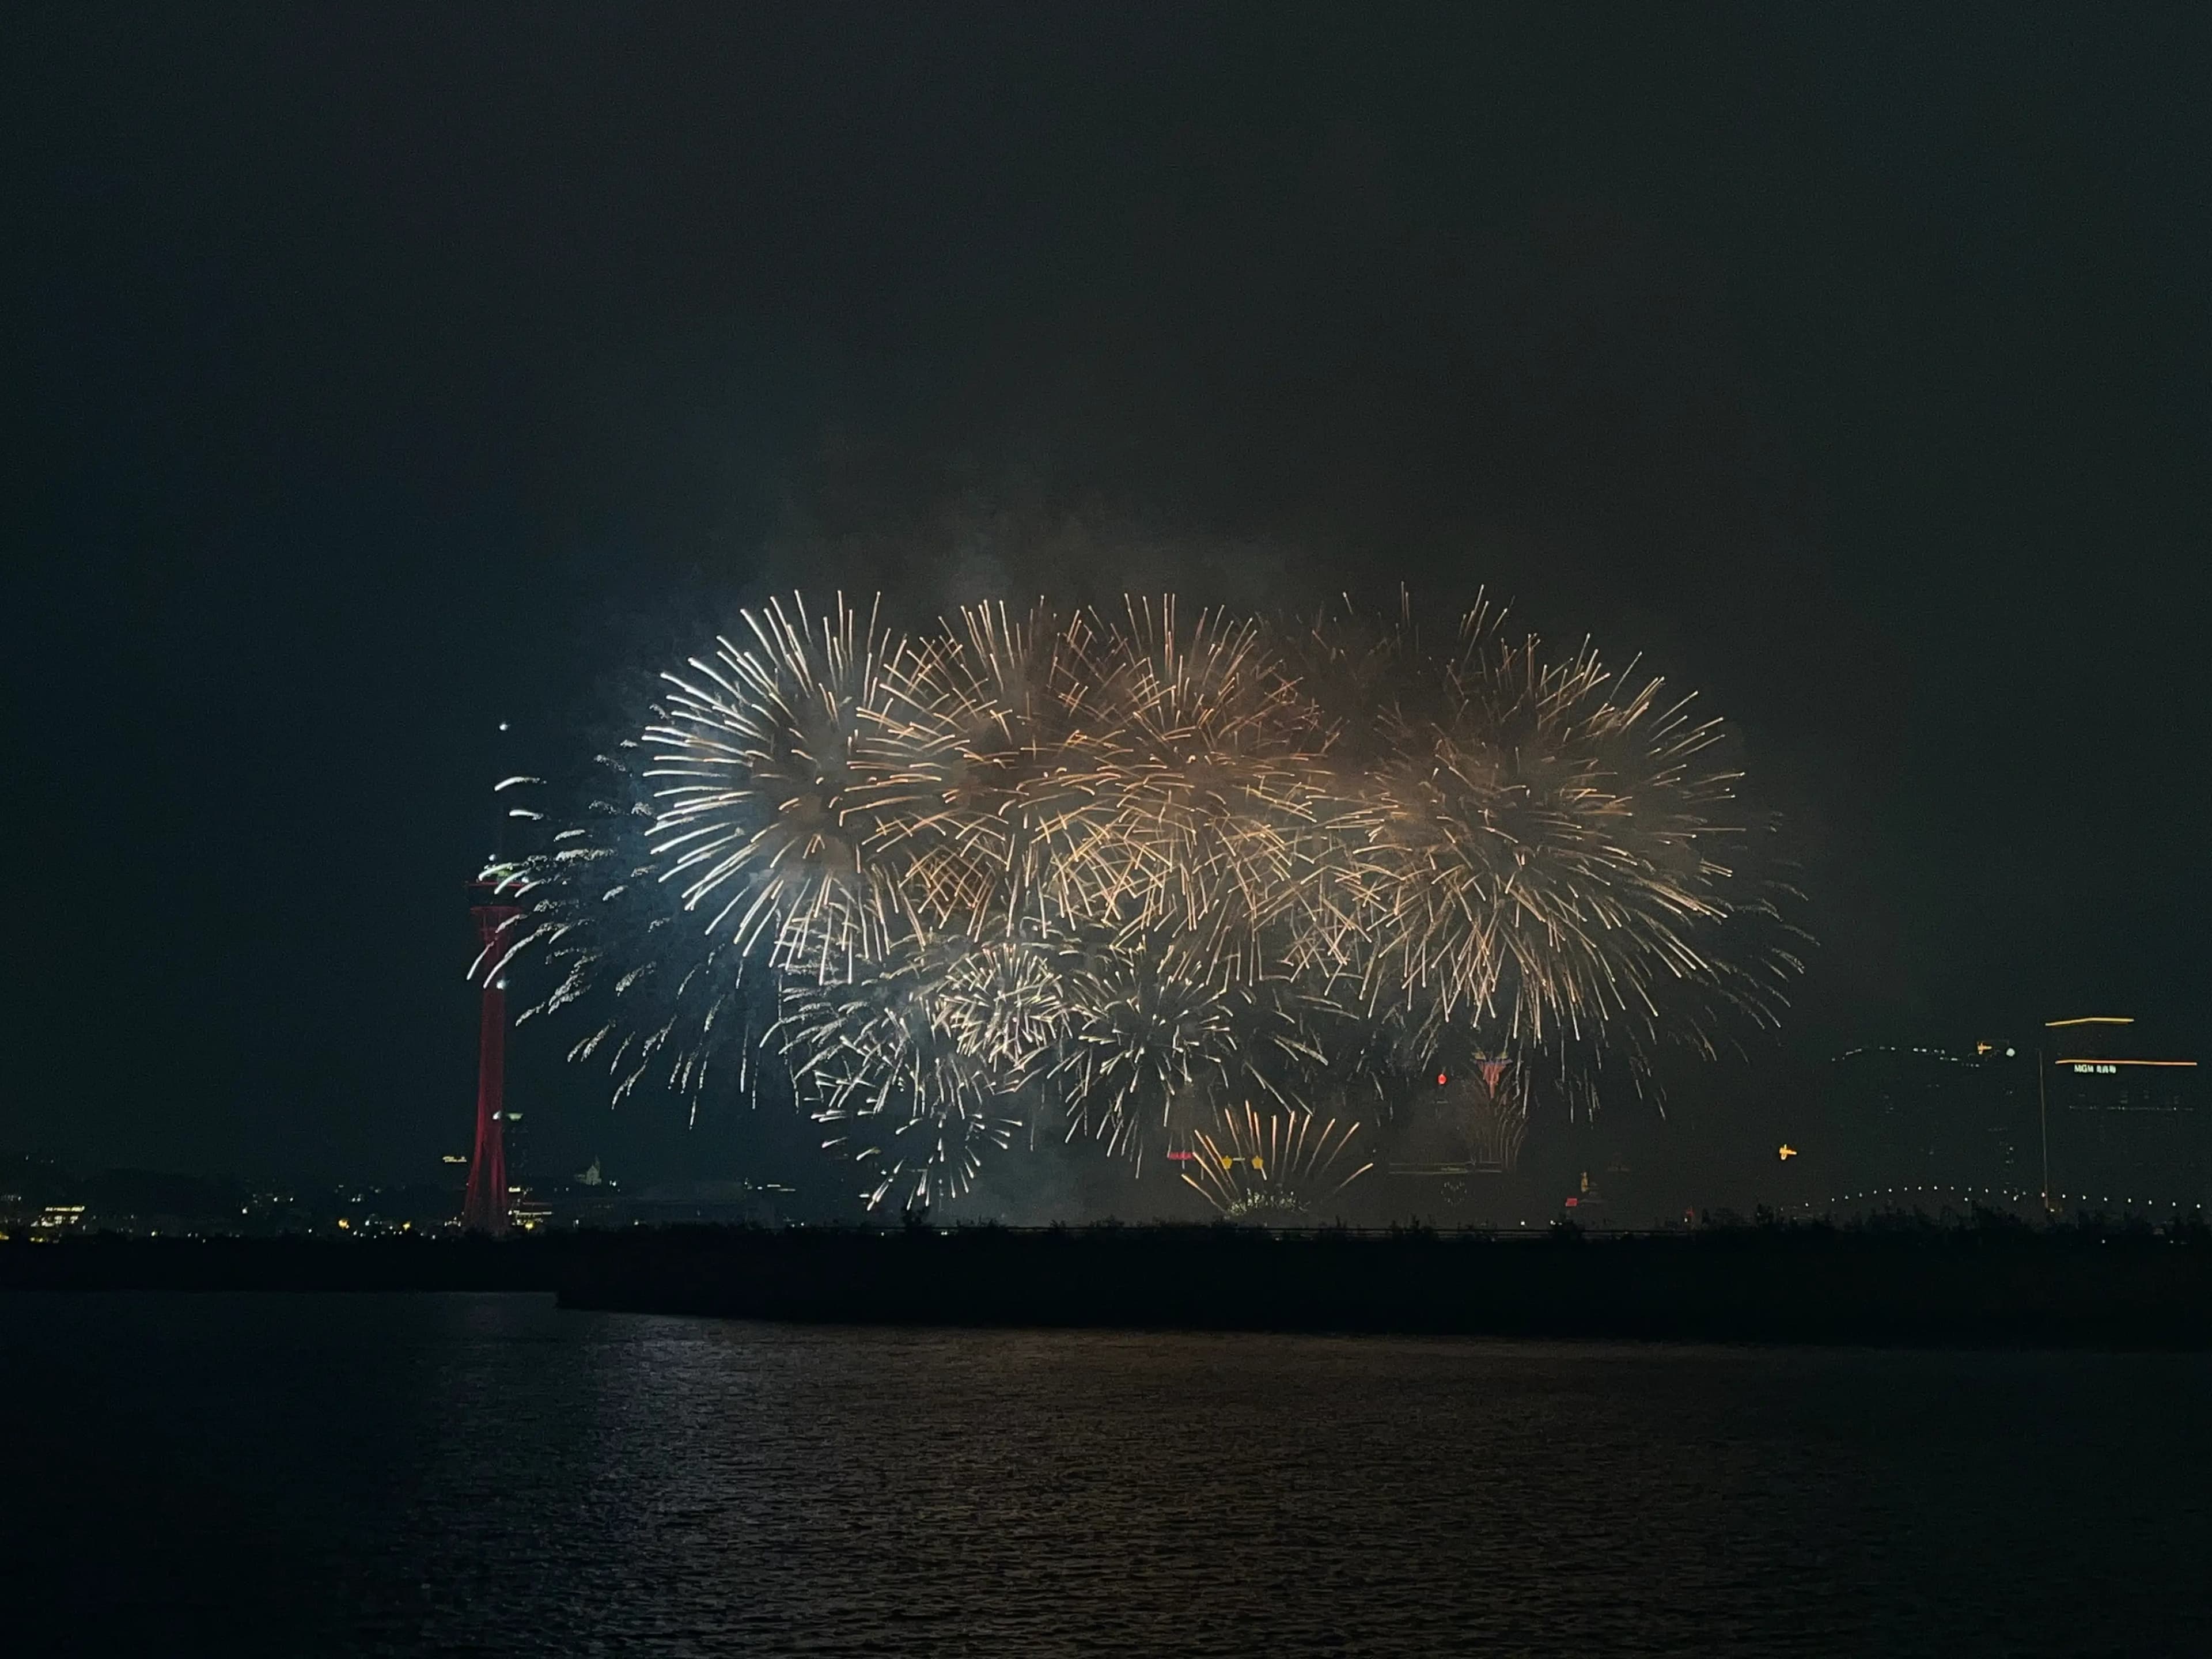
(393,374)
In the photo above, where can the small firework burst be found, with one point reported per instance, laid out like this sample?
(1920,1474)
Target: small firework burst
(1278,1166)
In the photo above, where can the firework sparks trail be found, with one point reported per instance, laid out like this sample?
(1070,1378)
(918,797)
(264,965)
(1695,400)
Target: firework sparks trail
(1129,870)
(913,1069)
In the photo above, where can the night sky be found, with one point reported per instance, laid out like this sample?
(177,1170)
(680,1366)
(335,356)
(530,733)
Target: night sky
(382,375)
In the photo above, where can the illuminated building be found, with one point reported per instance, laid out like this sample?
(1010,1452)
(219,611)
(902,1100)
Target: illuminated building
(1586,1203)
(2125,1120)
(527,1208)
(2082,1110)
(55,1220)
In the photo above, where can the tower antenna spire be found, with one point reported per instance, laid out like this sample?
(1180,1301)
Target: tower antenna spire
(485,1204)
(484,1207)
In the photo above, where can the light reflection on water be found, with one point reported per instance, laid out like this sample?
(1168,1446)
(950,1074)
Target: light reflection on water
(487,1474)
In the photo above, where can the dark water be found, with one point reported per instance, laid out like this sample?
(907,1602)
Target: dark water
(487,1474)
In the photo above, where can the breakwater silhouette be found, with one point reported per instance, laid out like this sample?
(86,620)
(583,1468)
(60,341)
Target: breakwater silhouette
(2084,1285)
(1933,1286)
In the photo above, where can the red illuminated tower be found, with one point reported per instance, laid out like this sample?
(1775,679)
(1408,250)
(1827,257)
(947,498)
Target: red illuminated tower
(485,1209)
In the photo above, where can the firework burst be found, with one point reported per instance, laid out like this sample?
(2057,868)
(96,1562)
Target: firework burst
(1536,851)
(777,777)
(914,1067)
(1126,872)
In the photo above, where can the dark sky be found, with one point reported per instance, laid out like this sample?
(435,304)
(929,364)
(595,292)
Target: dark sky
(381,374)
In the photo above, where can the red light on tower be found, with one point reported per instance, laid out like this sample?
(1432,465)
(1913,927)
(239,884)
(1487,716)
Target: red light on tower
(484,1208)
